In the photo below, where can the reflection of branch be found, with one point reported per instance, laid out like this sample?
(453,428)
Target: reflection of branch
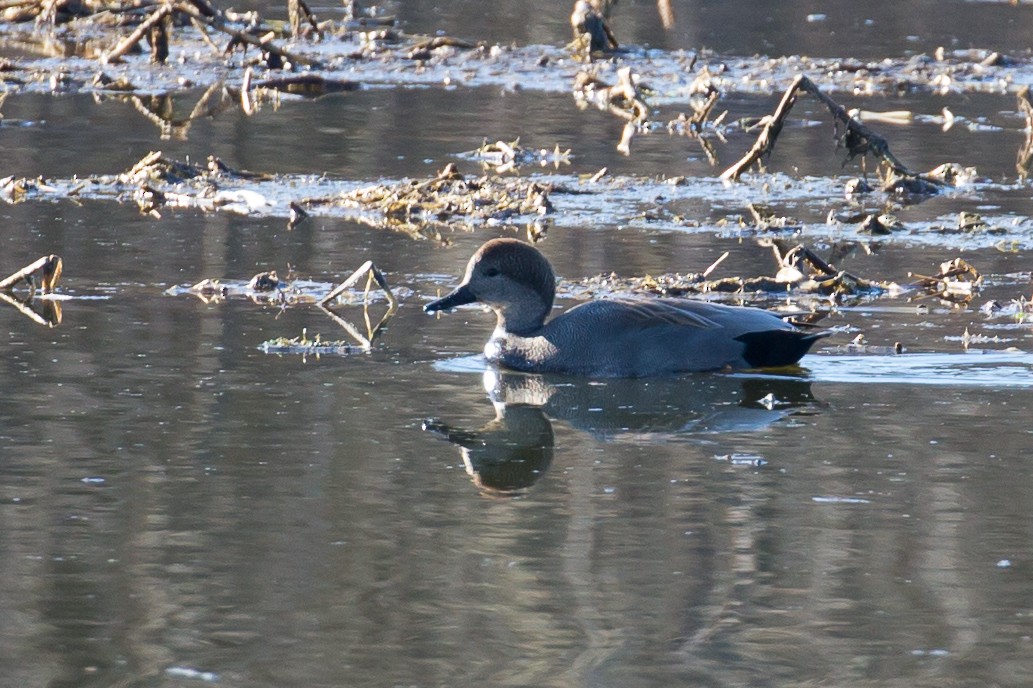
(162,118)
(372,274)
(858,139)
(372,332)
(51,310)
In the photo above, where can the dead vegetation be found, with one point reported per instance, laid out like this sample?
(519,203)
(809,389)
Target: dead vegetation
(416,207)
(956,282)
(799,271)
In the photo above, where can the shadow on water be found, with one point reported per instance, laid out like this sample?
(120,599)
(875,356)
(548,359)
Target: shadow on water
(512,451)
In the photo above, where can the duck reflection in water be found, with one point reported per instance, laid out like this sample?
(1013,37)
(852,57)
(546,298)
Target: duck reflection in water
(512,451)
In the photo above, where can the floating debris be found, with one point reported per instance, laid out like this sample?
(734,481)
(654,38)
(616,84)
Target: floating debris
(264,281)
(858,345)
(821,279)
(1020,309)
(969,223)
(956,282)
(880,225)
(426,49)
(46,271)
(623,98)
(208,290)
(1024,162)
(373,276)
(505,157)
(742,459)
(592,32)
(836,499)
(447,198)
(967,339)
(767,218)
(316,346)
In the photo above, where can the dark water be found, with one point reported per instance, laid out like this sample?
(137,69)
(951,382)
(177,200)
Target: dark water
(178,508)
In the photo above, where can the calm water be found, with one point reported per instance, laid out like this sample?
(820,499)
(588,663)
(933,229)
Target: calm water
(178,508)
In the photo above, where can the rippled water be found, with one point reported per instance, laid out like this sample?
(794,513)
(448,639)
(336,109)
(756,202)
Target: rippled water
(178,508)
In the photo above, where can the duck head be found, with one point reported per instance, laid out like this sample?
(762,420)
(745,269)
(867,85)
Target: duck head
(513,279)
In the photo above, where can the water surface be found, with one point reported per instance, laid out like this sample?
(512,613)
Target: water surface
(178,508)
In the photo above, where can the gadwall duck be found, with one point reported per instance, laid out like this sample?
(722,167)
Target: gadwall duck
(613,337)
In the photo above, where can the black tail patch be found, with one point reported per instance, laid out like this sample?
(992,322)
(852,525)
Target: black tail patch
(775,348)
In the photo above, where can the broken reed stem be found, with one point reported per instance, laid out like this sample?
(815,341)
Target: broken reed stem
(49,268)
(137,35)
(367,268)
(769,134)
(765,142)
(205,37)
(297,10)
(714,265)
(1024,161)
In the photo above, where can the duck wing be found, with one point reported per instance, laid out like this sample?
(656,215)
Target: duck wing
(665,312)
(648,313)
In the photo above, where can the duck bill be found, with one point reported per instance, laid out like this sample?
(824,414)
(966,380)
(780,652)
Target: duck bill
(460,296)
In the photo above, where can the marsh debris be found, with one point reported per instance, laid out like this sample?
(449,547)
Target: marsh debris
(425,49)
(623,99)
(1020,309)
(592,33)
(264,281)
(859,346)
(969,223)
(264,288)
(304,346)
(373,276)
(502,157)
(765,218)
(800,271)
(956,282)
(447,198)
(880,224)
(267,288)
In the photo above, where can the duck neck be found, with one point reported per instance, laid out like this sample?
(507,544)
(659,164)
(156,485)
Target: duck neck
(524,319)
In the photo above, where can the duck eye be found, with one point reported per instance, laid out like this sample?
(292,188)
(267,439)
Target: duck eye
(491,272)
